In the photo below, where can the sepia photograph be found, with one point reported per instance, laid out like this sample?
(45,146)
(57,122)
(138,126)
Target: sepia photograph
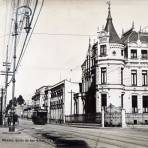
(73,74)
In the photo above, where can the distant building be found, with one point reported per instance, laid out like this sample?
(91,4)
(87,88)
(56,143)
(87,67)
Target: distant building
(62,100)
(115,73)
(27,111)
(39,100)
(19,110)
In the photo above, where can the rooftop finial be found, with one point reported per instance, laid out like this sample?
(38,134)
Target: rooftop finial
(122,31)
(109,8)
(133,25)
(140,30)
(89,40)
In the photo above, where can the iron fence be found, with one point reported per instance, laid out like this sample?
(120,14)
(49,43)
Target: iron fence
(83,118)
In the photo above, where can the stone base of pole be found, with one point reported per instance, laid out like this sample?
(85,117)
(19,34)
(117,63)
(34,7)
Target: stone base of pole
(123,119)
(11,128)
(102,118)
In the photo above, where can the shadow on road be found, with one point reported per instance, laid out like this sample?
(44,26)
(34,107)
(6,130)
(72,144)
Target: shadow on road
(66,141)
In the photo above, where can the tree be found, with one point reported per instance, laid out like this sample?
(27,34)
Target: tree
(9,106)
(20,100)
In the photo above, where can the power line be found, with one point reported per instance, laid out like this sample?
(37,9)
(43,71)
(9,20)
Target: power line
(18,64)
(56,34)
(23,48)
(63,34)
(53,68)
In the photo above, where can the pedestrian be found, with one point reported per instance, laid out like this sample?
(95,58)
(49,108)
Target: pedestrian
(15,119)
(9,120)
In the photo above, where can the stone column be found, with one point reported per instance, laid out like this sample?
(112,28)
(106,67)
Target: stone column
(123,118)
(102,119)
(98,102)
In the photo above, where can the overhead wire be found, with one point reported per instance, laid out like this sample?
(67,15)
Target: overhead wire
(20,24)
(23,48)
(5,27)
(20,57)
(63,34)
(18,64)
(10,39)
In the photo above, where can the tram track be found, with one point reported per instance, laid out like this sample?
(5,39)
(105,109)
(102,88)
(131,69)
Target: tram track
(105,139)
(124,140)
(132,140)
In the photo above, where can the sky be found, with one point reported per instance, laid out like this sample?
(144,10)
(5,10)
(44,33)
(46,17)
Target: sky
(59,43)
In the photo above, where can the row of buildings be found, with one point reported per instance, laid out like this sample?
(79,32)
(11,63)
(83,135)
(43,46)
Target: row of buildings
(59,100)
(114,78)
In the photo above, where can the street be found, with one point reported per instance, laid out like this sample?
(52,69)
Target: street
(51,135)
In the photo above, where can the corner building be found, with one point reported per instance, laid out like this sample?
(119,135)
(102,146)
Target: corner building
(115,71)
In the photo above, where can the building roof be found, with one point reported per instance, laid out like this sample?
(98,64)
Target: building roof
(62,83)
(125,36)
(133,36)
(109,27)
(144,37)
(129,36)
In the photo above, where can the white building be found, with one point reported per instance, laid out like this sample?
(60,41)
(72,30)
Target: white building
(121,73)
(40,100)
(62,102)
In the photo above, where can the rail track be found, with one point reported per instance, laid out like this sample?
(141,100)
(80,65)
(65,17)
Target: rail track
(126,139)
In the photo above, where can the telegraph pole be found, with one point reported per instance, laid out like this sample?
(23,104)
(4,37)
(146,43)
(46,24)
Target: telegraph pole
(71,92)
(6,73)
(1,111)
(71,103)
(13,75)
(27,14)
(6,64)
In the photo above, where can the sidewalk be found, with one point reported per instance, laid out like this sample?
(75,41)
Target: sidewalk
(19,139)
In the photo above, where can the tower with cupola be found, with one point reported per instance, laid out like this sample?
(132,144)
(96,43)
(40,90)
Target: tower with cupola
(110,67)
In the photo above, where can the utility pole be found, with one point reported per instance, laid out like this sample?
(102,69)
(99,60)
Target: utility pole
(27,14)
(71,92)
(71,104)
(7,65)
(1,111)
(13,75)
(6,73)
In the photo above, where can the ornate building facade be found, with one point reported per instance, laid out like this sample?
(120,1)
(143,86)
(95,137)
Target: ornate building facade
(115,73)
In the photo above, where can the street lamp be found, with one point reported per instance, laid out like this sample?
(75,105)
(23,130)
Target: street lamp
(27,13)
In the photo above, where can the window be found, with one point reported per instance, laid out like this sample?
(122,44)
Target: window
(126,52)
(135,121)
(93,61)
(134,104)
(104,100)
(145,104)
(102,50)
(133,54)
(122,100)
(134,77)
(121,52)
(103,75)
(144,78)
(144,54)
(121,75)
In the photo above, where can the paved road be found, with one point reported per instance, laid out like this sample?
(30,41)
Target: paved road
(20,139)
(66,136)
